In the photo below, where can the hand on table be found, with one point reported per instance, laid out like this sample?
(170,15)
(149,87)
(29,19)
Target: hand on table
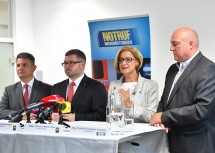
(69,117)
(157,122)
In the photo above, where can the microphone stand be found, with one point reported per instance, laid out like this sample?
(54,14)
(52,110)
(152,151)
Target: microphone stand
(28,117)
(61,122)
(41,120)
(39,111)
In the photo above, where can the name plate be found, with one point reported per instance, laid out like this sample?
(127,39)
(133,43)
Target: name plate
(89,129)
(42,128)
(9,127)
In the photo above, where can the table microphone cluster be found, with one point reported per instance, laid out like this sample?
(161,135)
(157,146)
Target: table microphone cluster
(47,105)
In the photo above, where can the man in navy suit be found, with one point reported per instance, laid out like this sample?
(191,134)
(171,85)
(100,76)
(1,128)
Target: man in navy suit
(13,97)
(89,97)
(187,107)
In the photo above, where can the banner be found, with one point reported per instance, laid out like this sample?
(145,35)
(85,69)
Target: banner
(108,36)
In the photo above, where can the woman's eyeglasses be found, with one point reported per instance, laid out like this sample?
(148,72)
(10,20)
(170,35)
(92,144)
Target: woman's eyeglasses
(127,60)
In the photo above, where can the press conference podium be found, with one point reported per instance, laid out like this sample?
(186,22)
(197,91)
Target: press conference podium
(144,139)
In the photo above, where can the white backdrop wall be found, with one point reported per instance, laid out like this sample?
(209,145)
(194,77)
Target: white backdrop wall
(49,28)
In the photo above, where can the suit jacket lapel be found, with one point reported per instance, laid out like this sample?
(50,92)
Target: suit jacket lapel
(80,88)
(34,92)
(64,86)
(185,74)
(19,94)
(170,80)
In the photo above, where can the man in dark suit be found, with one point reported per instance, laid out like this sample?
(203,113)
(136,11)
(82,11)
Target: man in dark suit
(13,97)
(89,97)
(187,107)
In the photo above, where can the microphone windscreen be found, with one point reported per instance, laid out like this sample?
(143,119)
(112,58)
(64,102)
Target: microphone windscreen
(66,106)
(52,98)
(63,106)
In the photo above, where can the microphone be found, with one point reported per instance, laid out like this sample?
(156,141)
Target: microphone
(24,109)
(54,106)
(17,118)
(44,102)
(47,111)
(53,100)
(34,105)
(9,117)
(45,114)
(65,106)
(29,107)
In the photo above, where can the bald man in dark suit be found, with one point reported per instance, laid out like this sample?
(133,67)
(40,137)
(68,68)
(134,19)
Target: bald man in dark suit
(13,97)
(187,107)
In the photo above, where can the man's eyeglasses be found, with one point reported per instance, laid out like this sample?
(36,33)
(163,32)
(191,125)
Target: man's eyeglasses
(127,60)
(70,63)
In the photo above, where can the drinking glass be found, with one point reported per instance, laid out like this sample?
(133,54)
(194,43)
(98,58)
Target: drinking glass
(117,122)
(129,118)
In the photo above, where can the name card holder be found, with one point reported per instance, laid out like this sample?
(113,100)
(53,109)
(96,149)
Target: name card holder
(89,130)
(43,128)
(10,127)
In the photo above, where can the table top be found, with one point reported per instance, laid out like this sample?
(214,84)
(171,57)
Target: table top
(25,141)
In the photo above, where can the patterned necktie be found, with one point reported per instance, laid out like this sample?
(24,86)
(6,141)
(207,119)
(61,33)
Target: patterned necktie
(70,92)
(26,94)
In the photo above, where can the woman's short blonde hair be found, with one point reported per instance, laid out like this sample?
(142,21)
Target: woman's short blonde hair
(134,51)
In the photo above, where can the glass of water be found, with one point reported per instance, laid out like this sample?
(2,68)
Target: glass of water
(129,118)
(117,121)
